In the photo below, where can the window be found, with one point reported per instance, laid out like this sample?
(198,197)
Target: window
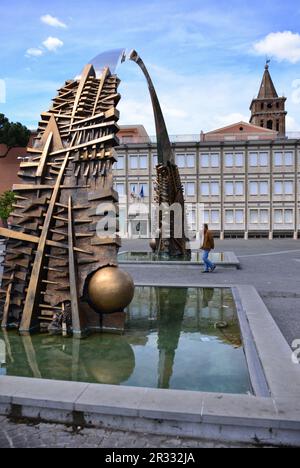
(278,188)
(259,159)
(215,189)
(239,216)
(284,187)
(264,188)
(264,159)
(253,188)
(155,160)
(234,160)
(144,190)
(139,190)
(138,162)
(189,189)
(264,216)
(205,189)
(229,216)
(212,216)
(254,216)
(289,188)
(288,216)
(253,159)
(190,160)
(284,216)
(259,188)
(210,189)
(133,162)
(234,188)
(283,158)
(204,160)
(144,162)
(259,217)
(186,160)
(239,188)
(239,159)
(229,188)
(229,160)
(210,160)
(120,188)
(120,166)
(215,216)
(289,159)
(215,160)
(278,217)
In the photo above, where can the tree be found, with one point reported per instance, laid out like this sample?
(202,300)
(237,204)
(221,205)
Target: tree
(13,135)
(7,200)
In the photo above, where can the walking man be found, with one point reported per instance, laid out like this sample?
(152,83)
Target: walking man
(207,247)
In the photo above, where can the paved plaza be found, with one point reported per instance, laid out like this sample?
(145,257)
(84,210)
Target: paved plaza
(22,435)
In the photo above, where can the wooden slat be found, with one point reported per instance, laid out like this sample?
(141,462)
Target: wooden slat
(77,318)
(7,303)
(42,164)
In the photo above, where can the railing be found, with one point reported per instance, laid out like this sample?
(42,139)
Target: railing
(226,137)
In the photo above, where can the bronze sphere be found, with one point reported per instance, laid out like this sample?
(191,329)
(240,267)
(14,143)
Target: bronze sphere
(110,290)
(153,244)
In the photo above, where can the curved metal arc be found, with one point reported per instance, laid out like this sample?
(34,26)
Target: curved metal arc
(164,147)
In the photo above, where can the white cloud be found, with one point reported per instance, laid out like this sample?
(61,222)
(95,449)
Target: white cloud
(53,44)
(53,21)
(34,52)
(281,45)
(291,124)
(296,92)
(228,119)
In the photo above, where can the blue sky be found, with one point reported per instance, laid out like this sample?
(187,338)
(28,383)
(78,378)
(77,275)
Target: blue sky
(206,57)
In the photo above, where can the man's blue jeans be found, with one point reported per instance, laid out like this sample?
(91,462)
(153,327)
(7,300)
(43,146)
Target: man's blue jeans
(208,264)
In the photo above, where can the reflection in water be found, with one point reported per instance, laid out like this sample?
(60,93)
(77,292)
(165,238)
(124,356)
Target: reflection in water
(171,340)
(170,309)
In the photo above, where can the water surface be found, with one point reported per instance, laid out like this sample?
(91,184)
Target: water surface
(171,340)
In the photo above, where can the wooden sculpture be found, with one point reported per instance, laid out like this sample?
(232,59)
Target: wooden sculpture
(53,250)
(169,189)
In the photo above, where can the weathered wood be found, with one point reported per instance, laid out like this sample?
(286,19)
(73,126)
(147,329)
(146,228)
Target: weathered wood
(32,297)
(77,319)
(42,164)
(7,303)
(43,250)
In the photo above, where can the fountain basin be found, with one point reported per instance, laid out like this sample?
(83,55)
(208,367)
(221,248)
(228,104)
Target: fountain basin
(221,259)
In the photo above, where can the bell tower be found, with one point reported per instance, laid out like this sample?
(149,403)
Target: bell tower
(268,109)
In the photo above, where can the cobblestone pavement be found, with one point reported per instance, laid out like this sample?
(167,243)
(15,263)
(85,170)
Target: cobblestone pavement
(25,435)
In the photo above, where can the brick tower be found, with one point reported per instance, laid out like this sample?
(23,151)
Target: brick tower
(268,109)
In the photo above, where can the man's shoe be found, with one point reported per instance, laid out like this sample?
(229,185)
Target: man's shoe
(213,268)
(205,271)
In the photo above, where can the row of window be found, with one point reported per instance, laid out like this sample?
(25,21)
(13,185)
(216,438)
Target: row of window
(211,160)
(256,216)
(212,189)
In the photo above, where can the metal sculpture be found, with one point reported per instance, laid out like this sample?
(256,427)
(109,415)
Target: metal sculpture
(53,251)
(169,189)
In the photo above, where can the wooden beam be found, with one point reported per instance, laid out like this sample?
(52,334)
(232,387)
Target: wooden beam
(7,303)
(42,164)
(111,137)
(77,318)
(32,298)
